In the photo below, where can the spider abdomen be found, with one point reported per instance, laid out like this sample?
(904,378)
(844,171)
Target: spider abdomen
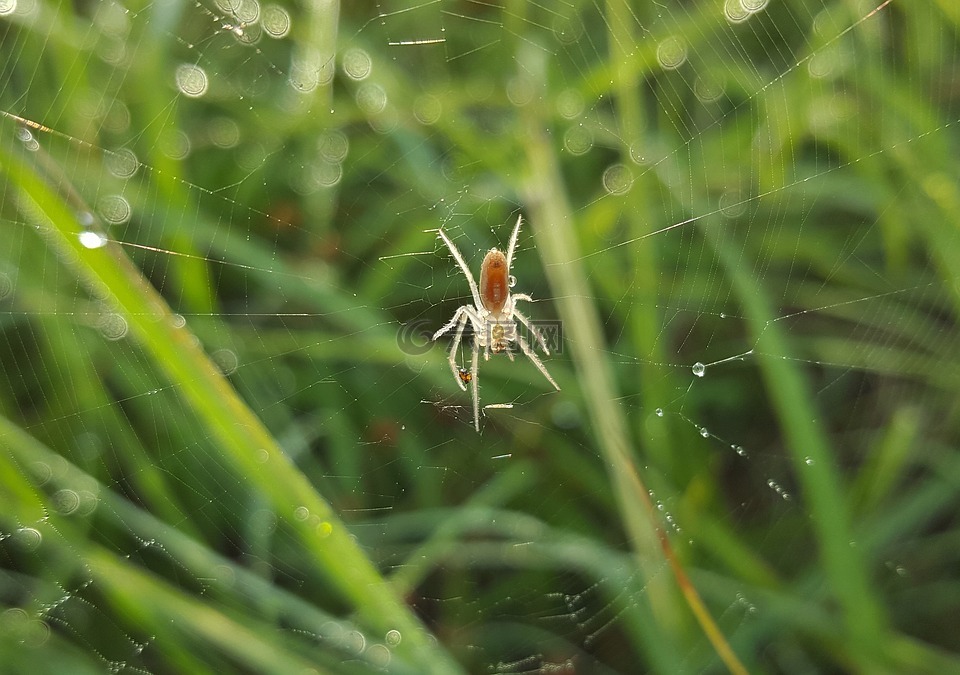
(494,284)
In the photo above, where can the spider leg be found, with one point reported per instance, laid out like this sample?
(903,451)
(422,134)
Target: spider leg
(530,327)
(452,356)
(457,316)
(475,383)
(536,361)
(455,252)
(513,242)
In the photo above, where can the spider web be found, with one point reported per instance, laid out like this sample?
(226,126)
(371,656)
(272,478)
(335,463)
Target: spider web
(747,183)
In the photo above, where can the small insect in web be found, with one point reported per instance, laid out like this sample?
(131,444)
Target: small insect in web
(493,318)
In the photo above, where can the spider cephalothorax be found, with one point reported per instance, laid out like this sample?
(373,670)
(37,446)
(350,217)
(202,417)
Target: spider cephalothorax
(493,317)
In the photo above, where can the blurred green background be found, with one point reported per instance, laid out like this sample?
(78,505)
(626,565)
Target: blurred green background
(227,443)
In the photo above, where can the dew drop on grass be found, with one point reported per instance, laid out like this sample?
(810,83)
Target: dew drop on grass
(393,638)
(90,239)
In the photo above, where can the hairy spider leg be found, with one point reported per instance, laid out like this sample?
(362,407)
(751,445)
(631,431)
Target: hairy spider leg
(475,385)
(460,318)
(529,326)
(513,243)
(463,268)
(536,361)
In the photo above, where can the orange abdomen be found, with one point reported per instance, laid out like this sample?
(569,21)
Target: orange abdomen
(494,286)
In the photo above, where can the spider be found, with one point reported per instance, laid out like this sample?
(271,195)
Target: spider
(493,318)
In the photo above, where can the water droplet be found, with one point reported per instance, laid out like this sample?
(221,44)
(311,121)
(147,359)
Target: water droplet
(699,369)
(327,174)
(26,137)
(808,461)
(247,12)
(735,11)
(578,140)
(354,641)
(378,656)
(301,513)
(223,132)
(740,450)
(511,281)
(732,204)
(707,90)
(226,360)
(333,145)
(658,412)
(91,239)
(567,27)
(754,6)
(29,538)
(8,7)
(393,638)
(357,64)
(123,163)
(114,209)
(672,53)
(617,179)
(427,109)
(275,21)
(570,104)
(520,89)
(113,326)
(371,98)
(66,501)
(704,432)
(174,144)
(6,285)
(324,529)
(191,80)
(88,502)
